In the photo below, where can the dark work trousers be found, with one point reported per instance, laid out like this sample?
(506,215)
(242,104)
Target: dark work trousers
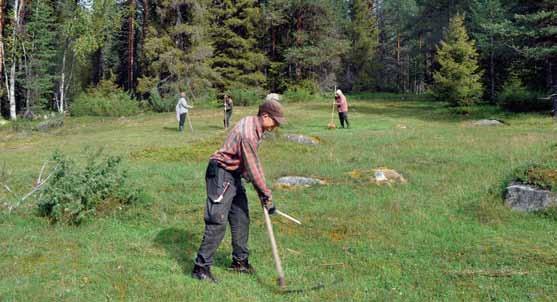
(227,115)
(343,117)
(232,209)
(182,121)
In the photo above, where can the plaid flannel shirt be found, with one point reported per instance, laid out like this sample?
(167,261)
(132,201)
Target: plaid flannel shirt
(239,153)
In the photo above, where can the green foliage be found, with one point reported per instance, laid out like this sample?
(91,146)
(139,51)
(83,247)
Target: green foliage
(246,96)
(74,194)
(40,46)
(106,99)
(541,175)
(236,58)
(458,79)
(516,97)
(304,91)
(160,104)
(177,48)
(365,33)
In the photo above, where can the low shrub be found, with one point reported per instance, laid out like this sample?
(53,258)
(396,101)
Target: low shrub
(107,99)
(159,104)
(297,95)
(246,96)
(303,91)
(516,97)
(74,194)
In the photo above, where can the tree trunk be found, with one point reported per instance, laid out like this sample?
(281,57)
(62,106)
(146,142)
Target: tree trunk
(1,36)
(18,13)
(11,92)
(61,91)
(550,80)
(399,66)
(131,41)
(299,29)
(492,71)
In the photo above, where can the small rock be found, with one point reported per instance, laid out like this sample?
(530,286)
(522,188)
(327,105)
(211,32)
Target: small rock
(378,176)
(302,139)
(387,176)
(291,181)
(50,124)
(488,123)
(527,198)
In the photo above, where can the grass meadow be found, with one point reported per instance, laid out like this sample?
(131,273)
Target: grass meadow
(443,236)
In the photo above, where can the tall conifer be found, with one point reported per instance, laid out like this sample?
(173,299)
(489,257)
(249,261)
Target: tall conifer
(233,29)
(458,79)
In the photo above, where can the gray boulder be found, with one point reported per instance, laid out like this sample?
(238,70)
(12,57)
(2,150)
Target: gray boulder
(292,181)
(302,139)
(527,198)
(488,123)
(50,124)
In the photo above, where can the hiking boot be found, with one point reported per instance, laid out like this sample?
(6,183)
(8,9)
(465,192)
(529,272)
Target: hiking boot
(203,273)
(242,266)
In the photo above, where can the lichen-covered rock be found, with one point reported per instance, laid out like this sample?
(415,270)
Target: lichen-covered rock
(527,198)
(378,176)
(294,181)
(487,123)
(302,139)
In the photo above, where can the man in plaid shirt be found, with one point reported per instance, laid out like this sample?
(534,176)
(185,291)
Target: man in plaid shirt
(226,195)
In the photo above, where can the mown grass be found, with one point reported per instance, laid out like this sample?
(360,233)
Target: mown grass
(443,236)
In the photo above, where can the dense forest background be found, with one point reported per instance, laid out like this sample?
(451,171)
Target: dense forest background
(57,54)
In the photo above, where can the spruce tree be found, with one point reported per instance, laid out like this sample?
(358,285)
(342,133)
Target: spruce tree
(40,50)
(537,28)
(488,23)
(458,80)
(364,44)
(177,49)
(236,57)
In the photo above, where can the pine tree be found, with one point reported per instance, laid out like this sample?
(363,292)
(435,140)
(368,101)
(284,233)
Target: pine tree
(40,52)
(236,57)
(458,78)
(315,44)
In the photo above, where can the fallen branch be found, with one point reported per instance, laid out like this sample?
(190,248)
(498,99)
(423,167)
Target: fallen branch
(488,273)
(7,188)
(36,188)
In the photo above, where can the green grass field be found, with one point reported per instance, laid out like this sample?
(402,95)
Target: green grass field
(443,236)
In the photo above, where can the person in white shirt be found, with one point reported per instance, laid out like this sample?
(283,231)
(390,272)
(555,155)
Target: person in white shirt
(182,110)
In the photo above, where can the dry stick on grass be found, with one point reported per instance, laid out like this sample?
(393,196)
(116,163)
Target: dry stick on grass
(294,251)
(332,264)
(37,187)
(488,273)
(7,188)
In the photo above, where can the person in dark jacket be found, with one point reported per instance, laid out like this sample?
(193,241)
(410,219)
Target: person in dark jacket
(228,104)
